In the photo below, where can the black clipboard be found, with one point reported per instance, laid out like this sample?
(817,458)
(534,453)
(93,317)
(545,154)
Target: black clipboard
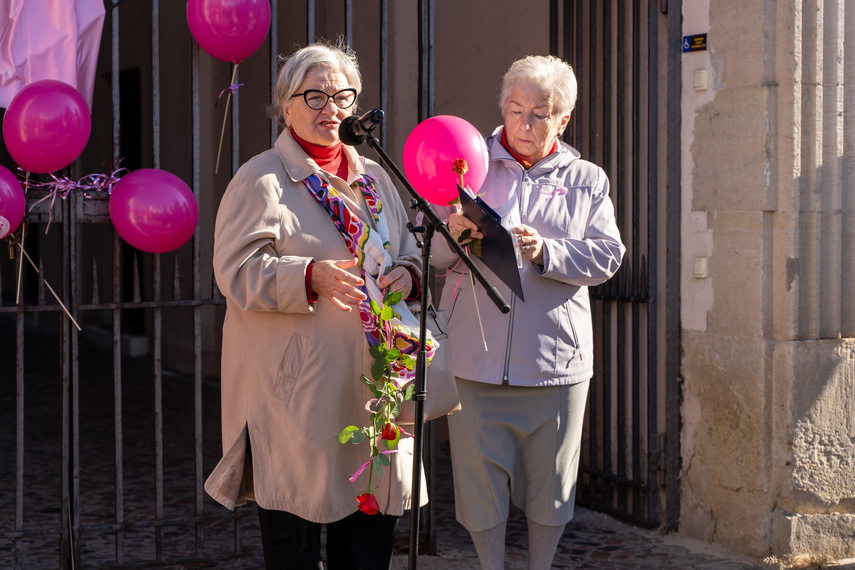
(497,245)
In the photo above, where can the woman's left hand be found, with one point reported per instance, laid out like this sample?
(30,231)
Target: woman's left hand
(398,279)
(530,242)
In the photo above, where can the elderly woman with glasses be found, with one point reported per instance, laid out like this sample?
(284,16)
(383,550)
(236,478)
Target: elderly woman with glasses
(301,231)
(517,438)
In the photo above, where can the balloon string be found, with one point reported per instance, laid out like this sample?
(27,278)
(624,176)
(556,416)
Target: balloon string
(63,186)
(55,296)
(225,117)
(478,311)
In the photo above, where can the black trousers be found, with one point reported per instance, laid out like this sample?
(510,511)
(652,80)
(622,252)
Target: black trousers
(356,542)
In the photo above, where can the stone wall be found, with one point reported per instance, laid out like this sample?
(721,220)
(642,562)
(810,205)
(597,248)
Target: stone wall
(769,404)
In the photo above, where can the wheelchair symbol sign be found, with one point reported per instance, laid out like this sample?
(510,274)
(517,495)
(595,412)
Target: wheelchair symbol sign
(697,42)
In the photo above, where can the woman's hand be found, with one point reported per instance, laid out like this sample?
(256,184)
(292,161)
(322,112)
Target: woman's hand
(398,279)
(331,280)
(530,242)
(458,223)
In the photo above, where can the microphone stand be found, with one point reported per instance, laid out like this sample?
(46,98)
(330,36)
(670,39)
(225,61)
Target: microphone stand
(431,223)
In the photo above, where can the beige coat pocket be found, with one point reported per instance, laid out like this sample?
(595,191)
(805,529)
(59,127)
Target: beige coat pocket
(291,366)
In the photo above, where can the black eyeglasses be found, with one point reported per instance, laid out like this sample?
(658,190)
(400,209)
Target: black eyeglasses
(317,99)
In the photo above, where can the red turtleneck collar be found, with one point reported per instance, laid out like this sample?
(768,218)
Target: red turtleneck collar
(330,158)
(525,164)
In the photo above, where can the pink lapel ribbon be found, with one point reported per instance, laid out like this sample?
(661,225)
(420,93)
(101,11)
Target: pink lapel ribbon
(552,193)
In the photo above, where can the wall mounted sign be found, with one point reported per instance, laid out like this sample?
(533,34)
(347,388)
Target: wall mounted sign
(697,42)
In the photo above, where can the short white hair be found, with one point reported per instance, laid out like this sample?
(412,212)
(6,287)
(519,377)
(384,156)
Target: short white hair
(296,66)
(547,72)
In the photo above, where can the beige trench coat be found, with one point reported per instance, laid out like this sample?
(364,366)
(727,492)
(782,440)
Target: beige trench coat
(290,369)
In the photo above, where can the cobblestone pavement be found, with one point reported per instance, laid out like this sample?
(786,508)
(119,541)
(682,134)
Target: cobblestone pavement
(593,540)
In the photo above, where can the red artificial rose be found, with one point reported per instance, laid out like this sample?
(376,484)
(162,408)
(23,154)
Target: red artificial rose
(368,503)
(460,166)
(389,433)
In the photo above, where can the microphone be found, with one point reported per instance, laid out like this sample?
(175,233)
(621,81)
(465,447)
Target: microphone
(354,130)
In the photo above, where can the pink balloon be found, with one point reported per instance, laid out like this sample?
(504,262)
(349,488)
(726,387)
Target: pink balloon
(12,202)
(230,30)
(46,126)
(153,210)
(429,155)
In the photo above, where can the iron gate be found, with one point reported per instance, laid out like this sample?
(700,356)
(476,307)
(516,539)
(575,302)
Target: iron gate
(116,424)
(91,485)
(627,60)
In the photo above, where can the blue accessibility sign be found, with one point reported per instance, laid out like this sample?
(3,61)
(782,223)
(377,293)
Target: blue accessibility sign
(697,42)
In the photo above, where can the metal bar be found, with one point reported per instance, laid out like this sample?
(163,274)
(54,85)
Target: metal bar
(197,188)
(274,62)
(67,554)
(577,57)
(652,259)
(569,57)
(156,293)
(592,80)
(158,407)
(310,21)
(117,297)
(155,81)
(636,253)
(427,69)
(608,308)
(113,306)
(197,378)
(72,371)
(673,387)
(19,435)
(622,153)
(348,22)
(384,62)
(553,27)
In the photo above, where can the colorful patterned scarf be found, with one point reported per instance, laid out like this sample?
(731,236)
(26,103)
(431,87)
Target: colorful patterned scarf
(371,249)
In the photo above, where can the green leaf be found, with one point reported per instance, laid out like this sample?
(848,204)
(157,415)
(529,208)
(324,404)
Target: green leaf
(374,390)
(409,391)
(387,313)
(475,247)
(378,352)
(464,235)
(384,459)
(378,369)
(359,437)
(347,434)
(393,354)
(377,465)
(375,307)
(393,298)
(395,411)
(379,423)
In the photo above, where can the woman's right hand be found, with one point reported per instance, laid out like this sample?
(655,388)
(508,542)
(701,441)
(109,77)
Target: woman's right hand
(331,279)
(458,223)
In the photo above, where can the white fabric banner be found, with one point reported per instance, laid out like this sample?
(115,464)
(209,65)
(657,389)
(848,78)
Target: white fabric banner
(49,39)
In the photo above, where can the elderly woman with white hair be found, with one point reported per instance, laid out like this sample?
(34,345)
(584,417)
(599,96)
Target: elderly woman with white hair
(303,229)
(517,438)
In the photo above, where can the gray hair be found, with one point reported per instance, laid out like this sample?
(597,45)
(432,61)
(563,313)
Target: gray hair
(294,68)
(547,72)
